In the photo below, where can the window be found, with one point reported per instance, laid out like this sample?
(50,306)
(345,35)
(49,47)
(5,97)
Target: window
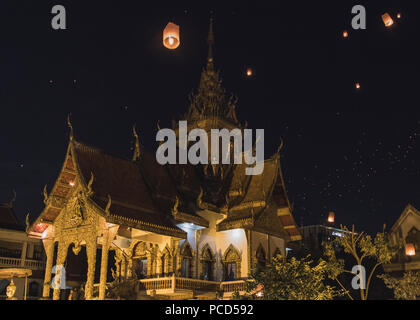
(260,256)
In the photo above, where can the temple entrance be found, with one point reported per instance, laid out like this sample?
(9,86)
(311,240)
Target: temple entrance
(207,262)
(230,271)
(208,270)
(140,267)
(186,267)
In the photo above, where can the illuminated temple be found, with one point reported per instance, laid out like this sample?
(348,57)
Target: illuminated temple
(176,231)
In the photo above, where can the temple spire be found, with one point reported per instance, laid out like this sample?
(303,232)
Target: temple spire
(210,41)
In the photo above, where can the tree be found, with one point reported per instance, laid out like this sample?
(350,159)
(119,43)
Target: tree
(405,288)
(292,280)
(359,246)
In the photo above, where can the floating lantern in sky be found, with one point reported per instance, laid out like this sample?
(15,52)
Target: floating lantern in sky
(171,36)
(331,217)
(399,15)
(249,72)
(410,250)
(357,85)
(345,34)
(386,18)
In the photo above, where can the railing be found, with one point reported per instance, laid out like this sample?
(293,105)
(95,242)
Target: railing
(233,286)
(16,263)
(170,284)
(156,284)
(195,284)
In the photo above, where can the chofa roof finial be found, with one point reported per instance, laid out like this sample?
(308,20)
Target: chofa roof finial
(13,199)
(136,155)
(70,126)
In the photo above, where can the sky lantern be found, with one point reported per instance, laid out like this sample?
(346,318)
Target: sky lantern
(249,72)
(171,36)
(410,250)
(331,217)
(345,34)
(386,18)
(357,85)
(399,15)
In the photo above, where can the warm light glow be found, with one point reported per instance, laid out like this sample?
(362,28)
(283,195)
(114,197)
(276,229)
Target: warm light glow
(345,34)
(171,38)
(410,250)
(71,183)
(249,72)
(331,217)
(399,15)
(357,85)
(386,18)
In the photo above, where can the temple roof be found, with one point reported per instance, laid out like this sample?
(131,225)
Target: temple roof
(121,179)
(8,219)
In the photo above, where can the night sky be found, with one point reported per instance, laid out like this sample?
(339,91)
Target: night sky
(354,152)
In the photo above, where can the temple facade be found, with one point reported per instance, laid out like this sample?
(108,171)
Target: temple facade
(175,229)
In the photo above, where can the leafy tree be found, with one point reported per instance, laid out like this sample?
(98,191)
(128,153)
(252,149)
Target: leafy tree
(295,279)
(405,288)
(360,246)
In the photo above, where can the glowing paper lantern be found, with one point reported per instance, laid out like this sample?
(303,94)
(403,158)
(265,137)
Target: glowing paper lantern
(357,85)
(331,217)
(410,250)
(249,72)
(345,34)
(399,15)
(171,36)
(386,18)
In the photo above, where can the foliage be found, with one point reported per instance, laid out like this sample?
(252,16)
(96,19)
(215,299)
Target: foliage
(405,288)
(360,246)
(295,279)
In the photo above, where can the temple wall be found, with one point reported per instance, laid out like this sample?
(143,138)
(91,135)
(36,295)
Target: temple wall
(219,242)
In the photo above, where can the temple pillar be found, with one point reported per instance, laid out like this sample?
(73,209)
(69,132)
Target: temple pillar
(108,236)
(104,266)
(59,268)
(159,265)
(91,257)
(49,251)
(124,268)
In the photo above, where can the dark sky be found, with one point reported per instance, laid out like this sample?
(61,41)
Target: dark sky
(355,152)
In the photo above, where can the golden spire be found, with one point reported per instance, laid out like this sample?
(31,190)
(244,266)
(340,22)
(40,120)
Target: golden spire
(70,126)
(210,41)
(136,155)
